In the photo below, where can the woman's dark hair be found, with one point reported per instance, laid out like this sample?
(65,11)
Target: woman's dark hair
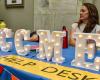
(93,17)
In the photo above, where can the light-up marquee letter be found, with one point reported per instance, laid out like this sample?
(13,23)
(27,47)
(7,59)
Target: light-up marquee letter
(82,48)
(5,46)
(8,32)
(19,36)
(50,45)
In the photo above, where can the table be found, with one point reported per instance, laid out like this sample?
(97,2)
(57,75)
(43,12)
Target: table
(22,75)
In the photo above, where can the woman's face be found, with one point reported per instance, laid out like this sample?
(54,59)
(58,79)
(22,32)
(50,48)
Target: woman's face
(84,13)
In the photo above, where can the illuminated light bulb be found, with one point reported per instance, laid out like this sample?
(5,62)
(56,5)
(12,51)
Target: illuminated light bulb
(18,34)
(46,40)
(57,35)
(26,37)
(22,31)
(98,37)
(7,45)
(97,60)
(91,46)
(42,33)
(1,37)
(52,40)
(89,36)
(87,65)
(57,52)
(17,44)
(49,47)
(26,49)
(49,55)
(78,64)
(17,39)
(80,45)
(2,32)
(41,41)
(41,56)
(41,49)
(7,35)
(90,55)
(57,59)
(57,44)
(98,44)
(97,67)
(80,36)
(79,55)
(26,32)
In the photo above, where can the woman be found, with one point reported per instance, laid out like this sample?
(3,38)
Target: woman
(88,22)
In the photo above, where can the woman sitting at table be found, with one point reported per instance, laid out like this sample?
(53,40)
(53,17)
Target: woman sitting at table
(88,22)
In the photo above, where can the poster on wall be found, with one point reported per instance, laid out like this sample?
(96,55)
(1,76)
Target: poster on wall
(14,3)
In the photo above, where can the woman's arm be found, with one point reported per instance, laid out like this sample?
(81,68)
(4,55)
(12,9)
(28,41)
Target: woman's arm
(71,40)
(73,30)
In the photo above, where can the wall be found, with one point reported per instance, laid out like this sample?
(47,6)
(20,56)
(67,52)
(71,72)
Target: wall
(57,13)
(88,1)
(36,14)
(53,14)
(17,18)
(97,3)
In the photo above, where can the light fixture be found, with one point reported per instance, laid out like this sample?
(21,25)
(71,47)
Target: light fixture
(50,45)
(84,48)
(21,34)
(5,46)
